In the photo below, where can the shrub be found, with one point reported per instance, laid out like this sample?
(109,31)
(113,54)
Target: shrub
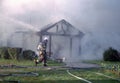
(10,53)
(4,53)
(28,54)
(14,52)
(111,55)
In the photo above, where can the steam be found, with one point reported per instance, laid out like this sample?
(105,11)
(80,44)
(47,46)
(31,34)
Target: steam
(98,19)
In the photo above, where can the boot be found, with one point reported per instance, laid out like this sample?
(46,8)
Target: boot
(45,64)
(36,63)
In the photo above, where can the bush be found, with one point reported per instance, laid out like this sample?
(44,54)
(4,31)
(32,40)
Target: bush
(111,55)
(14,53)
(10,53)
(28,54)
(4,53)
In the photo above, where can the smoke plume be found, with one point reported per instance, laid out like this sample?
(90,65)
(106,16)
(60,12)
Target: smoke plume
(98,19)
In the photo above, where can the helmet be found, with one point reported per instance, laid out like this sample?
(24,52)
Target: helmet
(45,38)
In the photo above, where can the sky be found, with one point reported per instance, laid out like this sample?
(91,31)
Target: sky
(98,19)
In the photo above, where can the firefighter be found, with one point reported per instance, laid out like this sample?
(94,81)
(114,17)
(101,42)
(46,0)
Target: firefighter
(42,57)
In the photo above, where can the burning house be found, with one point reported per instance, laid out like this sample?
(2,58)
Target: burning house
(64,40)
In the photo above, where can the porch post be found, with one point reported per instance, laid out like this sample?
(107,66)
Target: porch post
(70,46)
(40,37)
(50,39)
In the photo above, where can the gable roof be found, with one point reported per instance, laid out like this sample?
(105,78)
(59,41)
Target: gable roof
(62,28)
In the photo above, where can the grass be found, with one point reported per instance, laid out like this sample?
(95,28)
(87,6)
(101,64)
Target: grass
(92,76)
(27,62)
(58,75)
(113,67)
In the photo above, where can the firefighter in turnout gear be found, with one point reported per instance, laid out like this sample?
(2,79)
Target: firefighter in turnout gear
(42,57)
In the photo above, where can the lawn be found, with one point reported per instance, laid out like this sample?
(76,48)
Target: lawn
(58,74)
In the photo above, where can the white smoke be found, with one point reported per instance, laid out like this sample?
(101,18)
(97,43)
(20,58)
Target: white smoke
(98,19)
(14,33)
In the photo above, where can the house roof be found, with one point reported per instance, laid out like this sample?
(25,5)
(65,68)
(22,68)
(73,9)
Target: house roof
(61,28)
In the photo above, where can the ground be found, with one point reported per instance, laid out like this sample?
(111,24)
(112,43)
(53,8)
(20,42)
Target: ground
(26,72)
